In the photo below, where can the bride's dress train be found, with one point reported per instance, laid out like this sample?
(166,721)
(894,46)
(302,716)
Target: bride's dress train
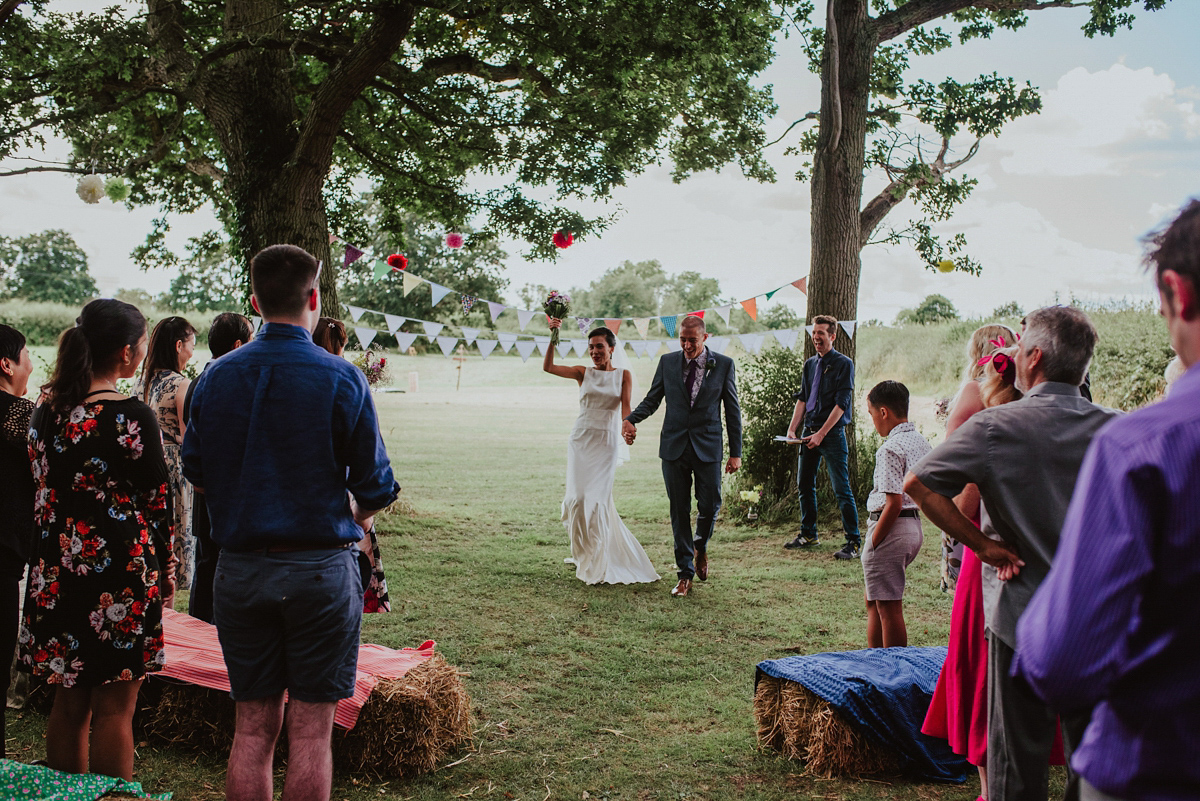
(603,550)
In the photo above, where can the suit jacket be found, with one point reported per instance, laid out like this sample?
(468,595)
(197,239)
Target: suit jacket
(701,423)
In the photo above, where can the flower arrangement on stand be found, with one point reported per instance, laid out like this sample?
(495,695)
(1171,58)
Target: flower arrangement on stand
(751,498)
(374,367)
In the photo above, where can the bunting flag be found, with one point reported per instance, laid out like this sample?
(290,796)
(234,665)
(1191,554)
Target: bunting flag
(751,307)
(699,314)
(486,346)
(524,316)
(394,321)
(718,344)
(380,270)
(787,337)
(613,324)
(506,339)
(447,345)
(365,336)
(809,329)
(495,309)
(639,347)
(525,348)
(542,343)
(584,323)
(723,312)
(564,348)
(673,346)
(257,321)
(405,341)
(752,342)
(432,329)
(668,323)
(642,324)
(352,255)
(801,284)
(469,334)
(439,292)
(580,346)
(773,291)
(848,326)
(411,282)
(467,303)
(654,346)
(356,313)
(332,238)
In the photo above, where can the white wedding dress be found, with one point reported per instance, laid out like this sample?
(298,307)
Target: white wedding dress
(603,549)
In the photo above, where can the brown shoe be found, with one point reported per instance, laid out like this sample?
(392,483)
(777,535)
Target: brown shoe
(681,589)
(702,565)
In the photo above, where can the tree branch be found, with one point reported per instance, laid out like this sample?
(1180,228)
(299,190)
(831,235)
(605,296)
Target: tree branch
(918,12)
(812,115)
(467,64)
(8,8)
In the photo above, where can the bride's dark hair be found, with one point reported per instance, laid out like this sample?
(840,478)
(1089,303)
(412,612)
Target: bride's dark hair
(608,335)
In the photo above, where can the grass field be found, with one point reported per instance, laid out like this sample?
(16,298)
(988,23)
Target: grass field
(608,692)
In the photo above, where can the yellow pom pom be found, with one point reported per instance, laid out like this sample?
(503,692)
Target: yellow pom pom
(945,266)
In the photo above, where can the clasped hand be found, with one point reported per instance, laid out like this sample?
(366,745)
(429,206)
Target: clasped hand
(628,431)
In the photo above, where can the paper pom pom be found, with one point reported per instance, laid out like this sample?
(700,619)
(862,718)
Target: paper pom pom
(454,240)
(945,266)
(116,189)
(90,188)
(397,262)
(563,239)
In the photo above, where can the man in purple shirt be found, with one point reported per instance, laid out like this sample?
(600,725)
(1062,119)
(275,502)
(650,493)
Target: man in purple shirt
(1115,628)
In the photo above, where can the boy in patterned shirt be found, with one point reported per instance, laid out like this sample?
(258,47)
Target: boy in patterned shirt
(894,525)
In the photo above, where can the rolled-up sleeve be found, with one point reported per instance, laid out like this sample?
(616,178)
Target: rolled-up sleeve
(843,392)
(961,460)
(369,472)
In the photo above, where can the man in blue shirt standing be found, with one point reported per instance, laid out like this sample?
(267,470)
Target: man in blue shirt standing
(1114,628)
(824,404)
(283,441)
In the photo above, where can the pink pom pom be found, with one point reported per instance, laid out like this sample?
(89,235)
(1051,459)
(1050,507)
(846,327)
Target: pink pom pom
(563,239)
(454,240)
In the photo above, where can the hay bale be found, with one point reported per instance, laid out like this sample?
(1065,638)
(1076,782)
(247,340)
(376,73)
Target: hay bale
(406,726)
(794,721)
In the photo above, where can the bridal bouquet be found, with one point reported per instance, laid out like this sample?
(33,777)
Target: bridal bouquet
(558,304)
(373,366)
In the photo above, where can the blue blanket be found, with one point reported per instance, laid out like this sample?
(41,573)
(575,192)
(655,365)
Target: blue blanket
(885,693)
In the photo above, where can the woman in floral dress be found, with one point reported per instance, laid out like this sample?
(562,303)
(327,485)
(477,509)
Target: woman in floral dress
(93,609)
(163,387)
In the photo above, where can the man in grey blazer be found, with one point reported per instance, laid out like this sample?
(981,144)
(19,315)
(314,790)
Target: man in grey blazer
(696,383)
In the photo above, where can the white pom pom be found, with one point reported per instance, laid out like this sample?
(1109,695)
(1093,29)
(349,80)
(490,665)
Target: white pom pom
(90,188)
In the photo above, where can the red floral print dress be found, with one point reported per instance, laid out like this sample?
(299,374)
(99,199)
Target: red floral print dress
(93,608)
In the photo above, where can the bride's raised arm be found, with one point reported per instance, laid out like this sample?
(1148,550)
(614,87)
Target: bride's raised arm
(549,366)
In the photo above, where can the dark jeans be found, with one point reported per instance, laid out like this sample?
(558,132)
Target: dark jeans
(678,475)
(200,602)
(833,449)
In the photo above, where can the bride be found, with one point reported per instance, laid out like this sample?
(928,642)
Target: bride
(603,549)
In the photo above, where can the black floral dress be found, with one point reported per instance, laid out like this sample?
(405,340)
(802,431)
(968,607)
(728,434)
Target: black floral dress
(93,607)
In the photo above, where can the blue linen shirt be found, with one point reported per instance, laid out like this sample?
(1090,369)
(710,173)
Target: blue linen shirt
(836,389)
(1115,627)
(279,430)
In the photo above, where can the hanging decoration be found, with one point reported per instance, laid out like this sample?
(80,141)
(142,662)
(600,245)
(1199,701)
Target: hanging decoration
(945,266)
(668,323)
(563,239)
(116,189)
(467,303)
(91,188)
(454,241)
(351,255)
(751,307)
(397,261)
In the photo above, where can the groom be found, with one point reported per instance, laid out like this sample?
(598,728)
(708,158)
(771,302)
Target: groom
(696,382)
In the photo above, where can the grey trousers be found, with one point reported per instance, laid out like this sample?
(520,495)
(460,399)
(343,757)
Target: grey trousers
(1021,731)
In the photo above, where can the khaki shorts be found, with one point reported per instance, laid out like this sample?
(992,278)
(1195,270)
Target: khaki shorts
(883,568)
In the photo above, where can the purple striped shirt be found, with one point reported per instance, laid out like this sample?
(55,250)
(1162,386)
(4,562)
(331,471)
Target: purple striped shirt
(1115,627)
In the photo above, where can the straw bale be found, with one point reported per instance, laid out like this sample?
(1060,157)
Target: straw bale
(406,726)
(794,721)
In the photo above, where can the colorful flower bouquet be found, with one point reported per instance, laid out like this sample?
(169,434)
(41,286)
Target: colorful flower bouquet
(558,304)
(373,366)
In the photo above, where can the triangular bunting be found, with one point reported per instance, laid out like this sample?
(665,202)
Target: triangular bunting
(333,238)
(447,345)
(439,292)
(467,303)
(496,309)
(655,345)
(787,337)
(801,284)
(525,348)
(506,340)
(524,316)
(848,326)
(352,255)
(486,346)
(772,292)
(672,346)
(432,329)
(380,270)
(355,312)
(469,334)
(365,336)
(723,312)
(579,346)
(639,347)
(809,329)
(613,324)
(718,344)
(668,323)
(642,324)
(699,314)
(257,321)
(411,282)
(584,323)
(394,321)
(405,341)
(542,343)
(751,307)
(563,349)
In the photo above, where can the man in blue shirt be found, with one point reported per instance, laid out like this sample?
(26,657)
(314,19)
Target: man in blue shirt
(1113,630)
(283,441)
(824,404)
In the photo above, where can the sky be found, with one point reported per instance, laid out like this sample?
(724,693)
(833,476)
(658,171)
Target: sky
(1062,201)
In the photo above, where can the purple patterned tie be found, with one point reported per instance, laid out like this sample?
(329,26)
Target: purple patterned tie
(691,380)
(813,397)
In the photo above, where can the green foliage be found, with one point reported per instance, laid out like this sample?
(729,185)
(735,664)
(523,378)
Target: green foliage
(637,289)
(780,316)
(1010,309)
(1133,351)
(208,278)
(766,384)
(933,309)
(41,323)
(47,268)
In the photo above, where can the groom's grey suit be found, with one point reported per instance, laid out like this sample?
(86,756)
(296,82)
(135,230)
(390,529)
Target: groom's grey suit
(691,445)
